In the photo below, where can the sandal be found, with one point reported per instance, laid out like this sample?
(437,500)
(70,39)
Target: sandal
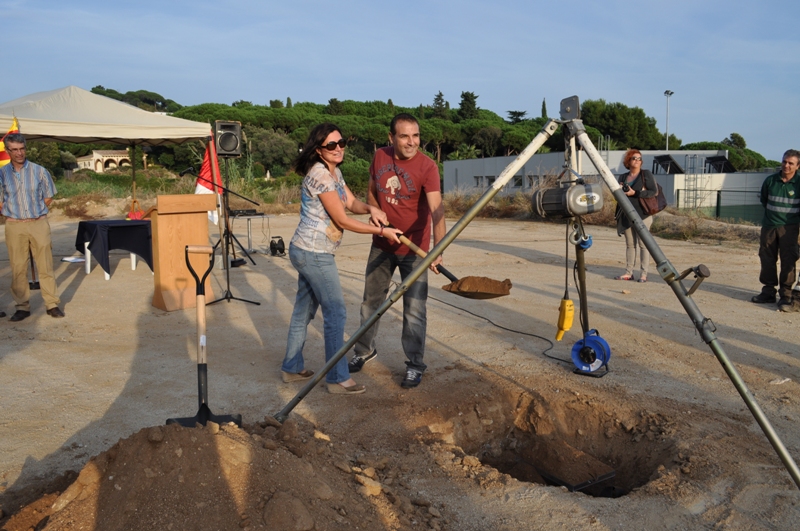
(305,374)
(624,277)
(339,389)
(643,278)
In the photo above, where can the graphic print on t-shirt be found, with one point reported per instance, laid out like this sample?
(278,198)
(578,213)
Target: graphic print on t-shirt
(391,182)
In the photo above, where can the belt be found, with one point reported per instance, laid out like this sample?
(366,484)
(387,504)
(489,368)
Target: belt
(24,220)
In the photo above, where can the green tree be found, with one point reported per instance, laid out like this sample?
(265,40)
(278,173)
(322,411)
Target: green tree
(628,126)
(276,104)
(544,109)
(742,159)
(515,139)
(488,140)
(515,117)
(334,107)
(46,154)
(288,102)
(440,107)
(468,109)
(464,152)
(736,140)
(274,150)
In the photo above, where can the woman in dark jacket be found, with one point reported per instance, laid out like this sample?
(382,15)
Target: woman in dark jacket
(636,183)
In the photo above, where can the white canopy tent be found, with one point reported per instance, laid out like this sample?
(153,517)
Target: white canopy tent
(72,114)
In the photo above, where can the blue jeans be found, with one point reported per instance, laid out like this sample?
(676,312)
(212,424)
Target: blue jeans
(317,285)
(380,268)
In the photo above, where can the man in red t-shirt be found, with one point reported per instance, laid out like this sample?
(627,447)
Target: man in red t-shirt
(404,183)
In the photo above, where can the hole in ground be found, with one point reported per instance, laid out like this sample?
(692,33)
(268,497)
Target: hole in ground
(575,441)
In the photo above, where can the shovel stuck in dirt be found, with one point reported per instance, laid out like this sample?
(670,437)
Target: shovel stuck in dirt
(469,287)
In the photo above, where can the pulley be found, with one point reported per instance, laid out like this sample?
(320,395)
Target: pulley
(591,354)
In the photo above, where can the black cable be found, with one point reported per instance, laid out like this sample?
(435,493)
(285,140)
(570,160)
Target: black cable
(544,352)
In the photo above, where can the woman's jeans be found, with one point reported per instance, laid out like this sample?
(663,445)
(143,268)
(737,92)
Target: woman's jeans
(634,246)
(317,285)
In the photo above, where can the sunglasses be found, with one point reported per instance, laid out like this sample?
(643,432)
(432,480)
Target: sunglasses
(636,158)
(330,146)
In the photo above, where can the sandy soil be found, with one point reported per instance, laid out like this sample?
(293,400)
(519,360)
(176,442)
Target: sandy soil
(476,446)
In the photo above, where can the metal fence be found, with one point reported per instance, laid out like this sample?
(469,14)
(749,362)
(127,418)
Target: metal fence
(729,205)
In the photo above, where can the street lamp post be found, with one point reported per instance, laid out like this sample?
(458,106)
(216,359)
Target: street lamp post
(668,93)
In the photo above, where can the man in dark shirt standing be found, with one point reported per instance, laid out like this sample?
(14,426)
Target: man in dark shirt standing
(780,195)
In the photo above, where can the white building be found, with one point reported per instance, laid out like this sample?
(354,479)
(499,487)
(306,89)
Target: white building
(701,179)
(102,160)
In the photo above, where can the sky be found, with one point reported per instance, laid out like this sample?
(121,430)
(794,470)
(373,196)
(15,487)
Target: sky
(733,67)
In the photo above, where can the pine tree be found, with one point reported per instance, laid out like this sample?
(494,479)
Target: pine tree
(440,106)
(469,107)
(544,109)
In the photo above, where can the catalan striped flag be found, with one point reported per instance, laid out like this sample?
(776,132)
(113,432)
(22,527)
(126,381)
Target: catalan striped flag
(4,157)
(208,179)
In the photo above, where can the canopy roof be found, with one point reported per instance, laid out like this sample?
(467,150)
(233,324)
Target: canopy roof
(72,114)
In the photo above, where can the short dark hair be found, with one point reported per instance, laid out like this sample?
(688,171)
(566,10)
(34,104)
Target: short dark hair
(789,153)
(17,138)
(309,156)
(402,117)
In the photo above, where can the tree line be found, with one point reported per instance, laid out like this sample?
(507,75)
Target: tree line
(274,132)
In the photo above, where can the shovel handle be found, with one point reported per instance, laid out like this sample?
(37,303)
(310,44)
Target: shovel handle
(422,254)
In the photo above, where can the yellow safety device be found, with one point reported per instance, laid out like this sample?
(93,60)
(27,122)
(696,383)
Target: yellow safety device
(565,314)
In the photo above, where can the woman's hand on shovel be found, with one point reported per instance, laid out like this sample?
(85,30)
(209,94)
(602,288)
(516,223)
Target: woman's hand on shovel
(391,233)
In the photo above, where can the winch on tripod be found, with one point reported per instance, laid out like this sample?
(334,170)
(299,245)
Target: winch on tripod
(571,198)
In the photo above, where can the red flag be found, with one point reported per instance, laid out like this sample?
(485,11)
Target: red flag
(4,156)
(205,178)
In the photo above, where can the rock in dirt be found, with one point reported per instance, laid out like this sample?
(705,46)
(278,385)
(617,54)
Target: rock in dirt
(369,487)
(155,434)
(284,511)
(288,430)
(322,490)
(471,461)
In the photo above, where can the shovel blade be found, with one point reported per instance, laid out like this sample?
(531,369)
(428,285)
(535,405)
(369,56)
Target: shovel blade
(479,288)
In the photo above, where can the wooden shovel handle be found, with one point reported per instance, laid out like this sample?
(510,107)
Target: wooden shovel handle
(411,245)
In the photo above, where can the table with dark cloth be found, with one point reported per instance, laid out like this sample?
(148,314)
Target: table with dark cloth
(105,235)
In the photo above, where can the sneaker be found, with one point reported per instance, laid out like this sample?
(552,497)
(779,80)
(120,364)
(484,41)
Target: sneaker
(358,362)
(412,379)
(789,306)
(763,298)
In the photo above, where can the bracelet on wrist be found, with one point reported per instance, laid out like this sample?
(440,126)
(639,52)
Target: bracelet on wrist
(381,232)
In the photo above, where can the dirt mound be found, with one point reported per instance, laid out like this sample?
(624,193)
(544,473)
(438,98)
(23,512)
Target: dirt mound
(215,477)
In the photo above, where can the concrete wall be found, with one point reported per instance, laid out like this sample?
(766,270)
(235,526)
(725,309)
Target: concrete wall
(476,175)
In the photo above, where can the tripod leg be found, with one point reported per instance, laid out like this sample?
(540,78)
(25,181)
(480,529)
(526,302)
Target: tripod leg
(244,251)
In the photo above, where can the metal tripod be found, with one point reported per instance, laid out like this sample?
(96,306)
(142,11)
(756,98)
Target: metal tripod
(227,240)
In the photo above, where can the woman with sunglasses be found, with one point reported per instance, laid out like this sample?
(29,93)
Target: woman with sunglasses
(323,220)
(635,183)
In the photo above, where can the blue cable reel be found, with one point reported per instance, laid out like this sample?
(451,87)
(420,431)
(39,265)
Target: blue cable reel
(591,354)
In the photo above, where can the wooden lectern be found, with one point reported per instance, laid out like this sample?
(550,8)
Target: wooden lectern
(178,221)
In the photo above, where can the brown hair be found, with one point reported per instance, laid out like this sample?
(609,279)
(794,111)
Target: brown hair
(628,156)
